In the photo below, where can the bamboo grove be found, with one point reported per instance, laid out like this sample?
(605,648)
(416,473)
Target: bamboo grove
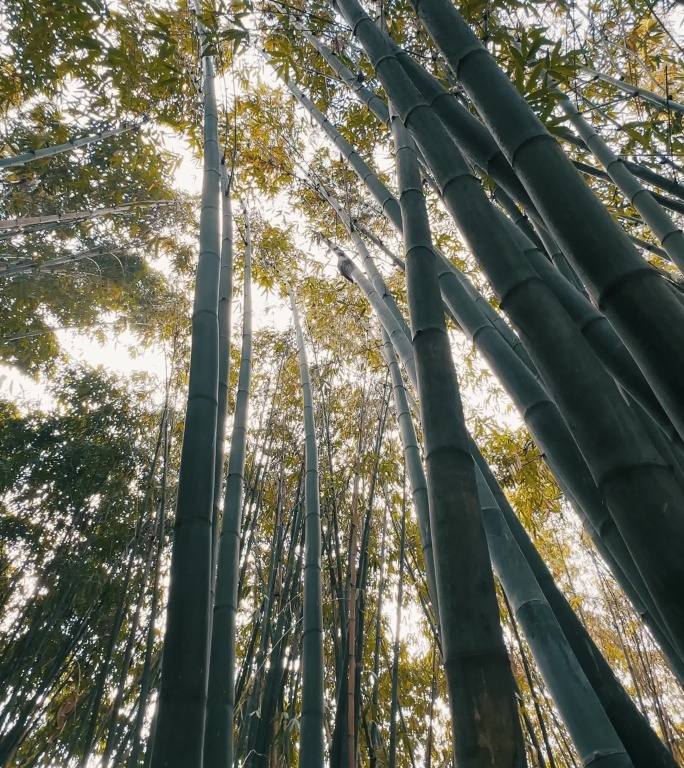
(341,350)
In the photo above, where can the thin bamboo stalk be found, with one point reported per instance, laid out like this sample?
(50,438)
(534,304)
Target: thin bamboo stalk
(219,731)
(642,93)
(71,216)
(225,324)
(311,744)
(81,141)
(660,223)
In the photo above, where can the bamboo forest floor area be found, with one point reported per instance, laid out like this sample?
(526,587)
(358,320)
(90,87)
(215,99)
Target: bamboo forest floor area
(341,384)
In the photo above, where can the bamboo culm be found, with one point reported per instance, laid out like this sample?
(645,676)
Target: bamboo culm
(630,473)
(311,744)
(577,701)
(632,295)
(81,141)
(486,729)
(219,732)
(660,223)
(225,323)
(397,637)
(179,732)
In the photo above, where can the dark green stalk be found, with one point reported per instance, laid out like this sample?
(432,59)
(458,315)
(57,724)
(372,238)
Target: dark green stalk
(629,473)
(219,733)
(632,294)
(633,729)
(486,729)
(179,733)
(588,725)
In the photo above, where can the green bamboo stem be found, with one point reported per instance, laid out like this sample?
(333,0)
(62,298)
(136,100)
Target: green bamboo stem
(219,731)
(180,723)
(597,173)
(620,705)
(397,637)
(633,729)
(632,294)
(37,267)
(486,728)
(598,332)
(590,729)
(413,463)
(81,141)
(391,209)
(630,473)
(311,744)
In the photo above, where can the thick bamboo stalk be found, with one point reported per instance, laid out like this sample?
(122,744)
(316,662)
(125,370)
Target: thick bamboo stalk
(630,472)
(588,725)
(630,292)
(598,332)
(311,744)
(219,731)
(554,440)
(620,707)
(486,729)
(179,732)
(580,708)
(634,730)
(81,141)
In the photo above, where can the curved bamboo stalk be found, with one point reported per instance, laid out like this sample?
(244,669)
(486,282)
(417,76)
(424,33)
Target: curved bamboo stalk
(219,731)
(81,141)
(311,745)
(32,266)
